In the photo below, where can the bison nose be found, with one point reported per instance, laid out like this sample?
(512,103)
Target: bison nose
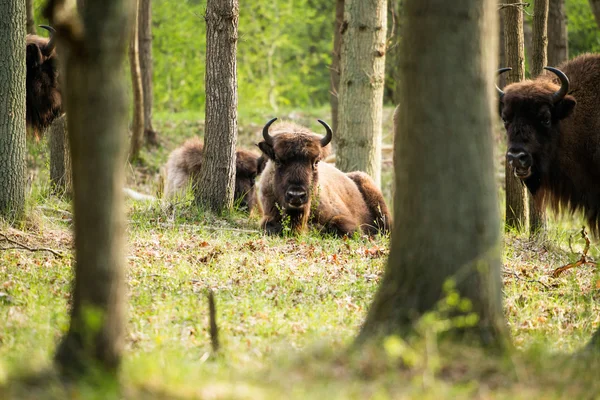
(518,159)
(296,196)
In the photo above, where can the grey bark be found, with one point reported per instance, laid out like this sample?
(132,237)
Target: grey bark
(217,173)
(358,140)
(92,63)
(12,109)
(30,17)
(335,64)
(446,222)
(145,50)
(558,43)
(516,195)
(60,157)
(595,4)
(137,126)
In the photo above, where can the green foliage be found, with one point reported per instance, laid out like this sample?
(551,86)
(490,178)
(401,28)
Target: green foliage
(582,28)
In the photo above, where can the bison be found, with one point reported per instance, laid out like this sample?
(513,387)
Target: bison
(43,97)
(184,165)
(295,186)
(553,132)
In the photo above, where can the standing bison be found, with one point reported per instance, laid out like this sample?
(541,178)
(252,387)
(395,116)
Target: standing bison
(183,168)
(553,129)
(43,98)
(296,186)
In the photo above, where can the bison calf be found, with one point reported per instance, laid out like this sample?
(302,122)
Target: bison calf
(295,185)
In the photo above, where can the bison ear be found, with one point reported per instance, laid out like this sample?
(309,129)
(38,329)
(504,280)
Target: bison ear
(34,55)
(267,150)
(565,107)
(260,164)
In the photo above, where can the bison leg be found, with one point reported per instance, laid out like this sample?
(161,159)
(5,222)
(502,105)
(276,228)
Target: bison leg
(381,219)
(342,225)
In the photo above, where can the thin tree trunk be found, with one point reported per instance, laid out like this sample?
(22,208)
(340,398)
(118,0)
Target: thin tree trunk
(145,49)
(392,58)
(137,126)
(91,61)
(501,53)
(217,173)
(516,195)
(60,157)
(595,4)
(358,140)
(539,59)
(30,19)
(558,43)
(12,109)
(335,63)
(446,222)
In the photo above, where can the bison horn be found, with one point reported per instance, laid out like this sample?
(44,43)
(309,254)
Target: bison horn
(325,141)
(51,43)
(268,138)
(564,84)
(500,72)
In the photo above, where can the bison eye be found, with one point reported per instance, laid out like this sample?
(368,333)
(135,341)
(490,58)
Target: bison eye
(315,164)
(546,122)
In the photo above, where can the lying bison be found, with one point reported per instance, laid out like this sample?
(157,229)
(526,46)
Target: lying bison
(553,129)
(295,185)
(184,165)
(43,97)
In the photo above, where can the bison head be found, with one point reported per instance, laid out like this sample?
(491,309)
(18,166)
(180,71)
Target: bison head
(295,153)
(44,102)
(531,112)
(246,169)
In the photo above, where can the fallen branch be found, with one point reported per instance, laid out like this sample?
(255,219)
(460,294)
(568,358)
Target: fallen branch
(582,260)
(520,278)
(22,246)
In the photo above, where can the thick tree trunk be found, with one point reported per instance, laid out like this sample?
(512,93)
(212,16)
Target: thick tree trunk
(516,195)
(60,157)
(30,18)
(335,63)
(92,61)
(595,4)
(137,126)
(12,109)
(501,52)
(446,222)
(217,173)
(145,49)
(558,43)
(358,140)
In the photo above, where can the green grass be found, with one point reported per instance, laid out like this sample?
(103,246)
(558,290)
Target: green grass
(287,308)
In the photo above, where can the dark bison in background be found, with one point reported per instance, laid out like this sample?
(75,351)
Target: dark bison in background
(183,168)
(553,129)
(44,101)
(295,185)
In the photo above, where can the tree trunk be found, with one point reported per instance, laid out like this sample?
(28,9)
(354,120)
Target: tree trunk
(516,195)
(595,4)
(217,173)
(539,59)
(358,140)
(558,43)
(30,20)
(446,222)
(145,49)
(91,62)
(12,109)
(60,157)
(594,343)
(501,53)
(137,126)
(392,58)
(335,63)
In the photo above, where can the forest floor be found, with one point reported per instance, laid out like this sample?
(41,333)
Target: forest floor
(288,308)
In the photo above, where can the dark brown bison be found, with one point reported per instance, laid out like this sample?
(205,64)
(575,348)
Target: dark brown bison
(184,164)
(295,185)
(43,98)
(553,129)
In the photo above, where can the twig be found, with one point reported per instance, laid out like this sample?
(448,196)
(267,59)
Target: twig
(25,247)
(519,277)
(582,260)
(56,210)
(502,6)
(207,227)
(212,315)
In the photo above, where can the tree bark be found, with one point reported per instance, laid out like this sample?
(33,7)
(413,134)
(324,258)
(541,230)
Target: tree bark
(91,61)
(60,157)
(217,173)
(392,58)
(595,4)
(335,64)
(516,195)
(145,49)
(137,126)
(358,139)
(446,222)
(30,20)
(558,43)
(12,109)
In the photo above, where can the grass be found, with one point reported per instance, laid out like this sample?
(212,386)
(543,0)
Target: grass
(287,308)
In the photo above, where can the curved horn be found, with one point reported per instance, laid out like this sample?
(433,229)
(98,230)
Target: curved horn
(500,72)
(564,84)
(268,138)
(325,141)
(52,42)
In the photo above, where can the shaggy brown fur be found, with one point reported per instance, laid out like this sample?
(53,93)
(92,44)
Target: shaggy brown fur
(562,140)
(43,98)
(184,165)
(337,202)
